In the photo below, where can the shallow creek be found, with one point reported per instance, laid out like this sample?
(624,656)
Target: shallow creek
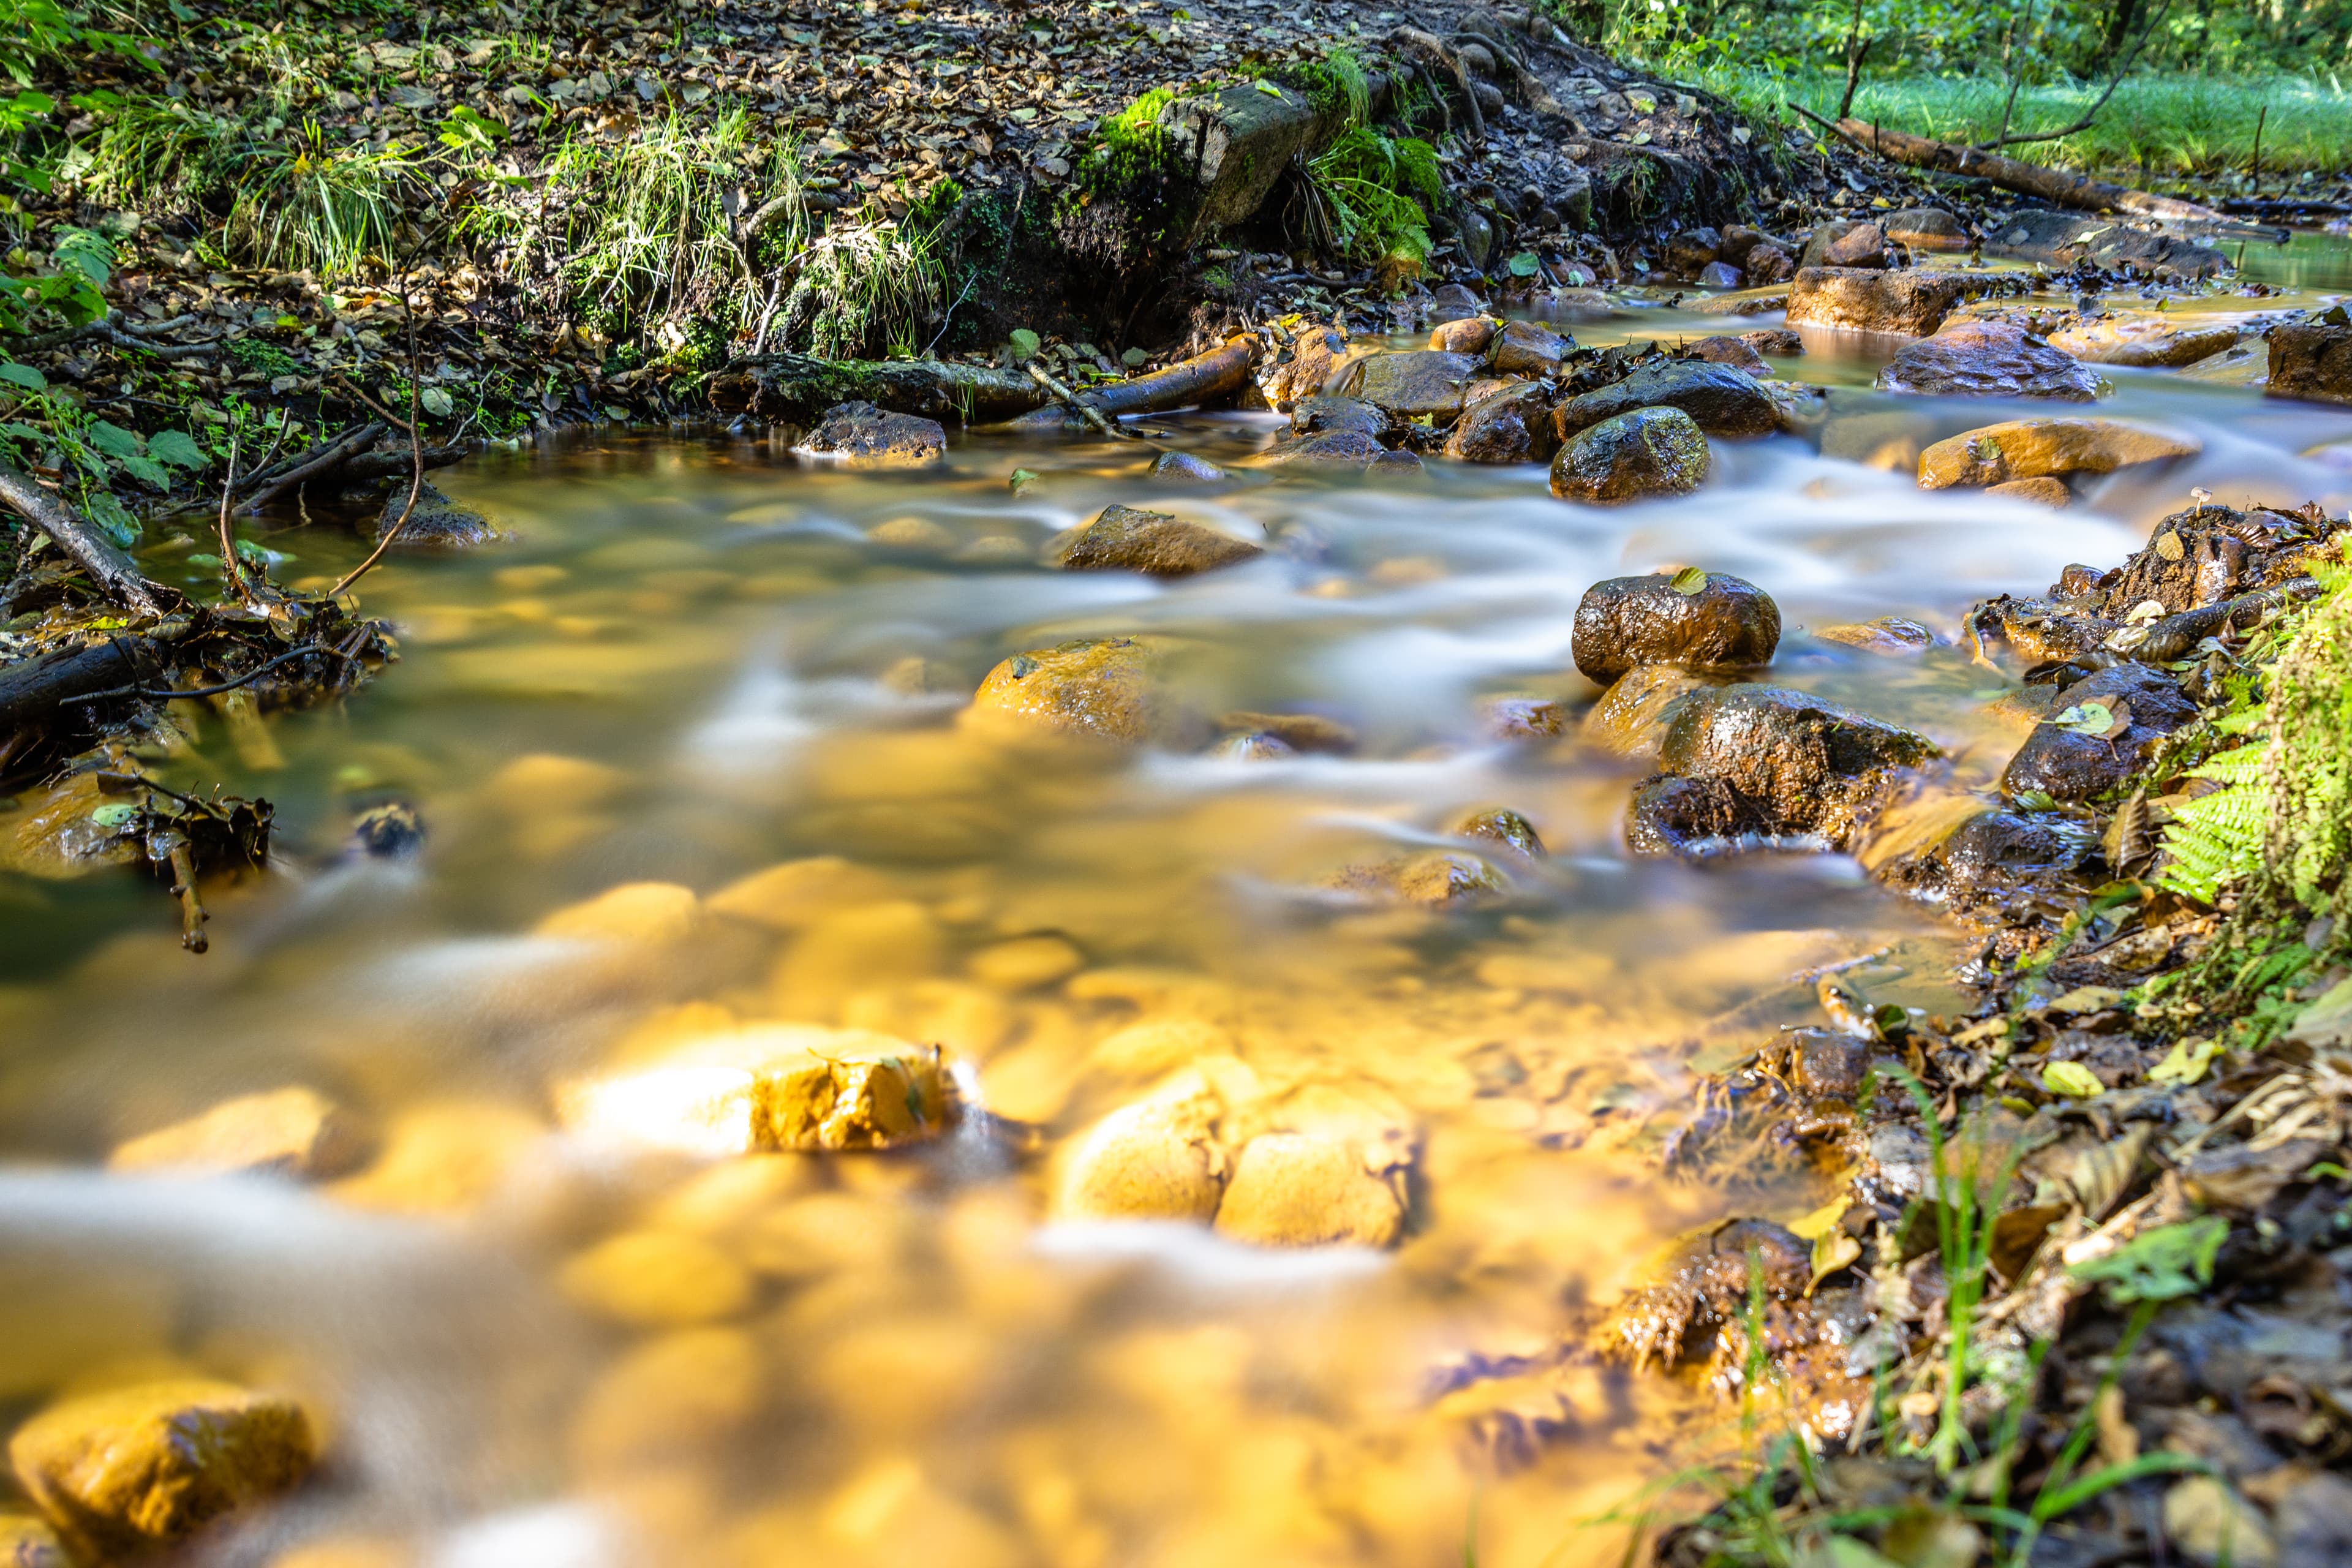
(695,660)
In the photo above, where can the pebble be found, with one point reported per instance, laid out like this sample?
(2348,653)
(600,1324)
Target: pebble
(1126,539)
(1157,1158)
(1292,1189)
(1099,689)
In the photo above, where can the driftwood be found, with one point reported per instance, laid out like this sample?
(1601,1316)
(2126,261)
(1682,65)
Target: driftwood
(32,690)
(268,487)
(2014,175)
(113,573)
(1203,378)
(798,387)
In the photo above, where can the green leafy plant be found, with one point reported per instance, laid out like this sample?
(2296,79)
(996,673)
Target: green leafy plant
(1371,190)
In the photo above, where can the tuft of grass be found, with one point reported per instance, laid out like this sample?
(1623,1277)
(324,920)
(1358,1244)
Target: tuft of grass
(158,152)
(1335,85)
(864,289)
(308,205)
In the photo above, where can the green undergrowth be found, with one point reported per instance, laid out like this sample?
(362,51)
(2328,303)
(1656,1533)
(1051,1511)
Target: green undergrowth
(2175,124)
(1376,193)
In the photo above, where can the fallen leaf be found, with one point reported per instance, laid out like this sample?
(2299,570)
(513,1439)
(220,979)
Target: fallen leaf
(1690,581)
(2072,1080)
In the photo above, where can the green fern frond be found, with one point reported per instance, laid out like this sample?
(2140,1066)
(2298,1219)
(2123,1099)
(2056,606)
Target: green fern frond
(2217,839)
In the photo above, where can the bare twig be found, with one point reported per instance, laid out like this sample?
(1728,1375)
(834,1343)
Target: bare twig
(1857,49)
(2016,75)
(231,568)
(333,455)
(415,447)
(2090,115)
(1070,400)
(1839,132)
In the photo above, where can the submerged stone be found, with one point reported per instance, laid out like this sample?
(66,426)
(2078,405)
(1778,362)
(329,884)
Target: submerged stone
(1296,1189)
(1631,718)
(1499,824)
(1648,453)
(1719,622)
(135,1470)
(1185,466)
(1093,687)
(1337,450)
(1157,1158)
(2142,339)
(1127,539)
(1911,302)
(291,1131)
(436,522)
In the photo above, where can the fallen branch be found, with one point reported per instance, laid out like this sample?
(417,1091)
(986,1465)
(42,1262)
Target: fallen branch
(1070,400)
(31,690)
(333,455)
(1197,380)
(2014,174)
(113,572)
(800,387)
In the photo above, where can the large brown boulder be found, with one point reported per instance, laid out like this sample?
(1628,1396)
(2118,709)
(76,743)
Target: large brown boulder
(2099,732)
(1511,427)
(1911,302)
(2030,448)
(1762,760)
(1647,453)
(1314,355)
(1410,385)
(1470,335)
(1703,620)
(132,1471)
(1721,400)
(1126,539)
(865,434)
(1987,359)
(2312,360)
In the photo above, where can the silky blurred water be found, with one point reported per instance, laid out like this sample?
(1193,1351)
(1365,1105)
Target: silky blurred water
(692,660)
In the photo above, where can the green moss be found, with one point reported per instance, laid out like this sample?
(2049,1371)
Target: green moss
(259,356)
(1129,146)
(931,208)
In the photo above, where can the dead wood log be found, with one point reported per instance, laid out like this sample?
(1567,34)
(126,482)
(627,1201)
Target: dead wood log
(1203,378)
(32,690)
(2014,175)
(314,463)
(113,572)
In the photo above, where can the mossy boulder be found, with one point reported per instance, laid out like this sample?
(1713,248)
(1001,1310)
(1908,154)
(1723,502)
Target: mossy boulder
(1648,453)
(1102,688)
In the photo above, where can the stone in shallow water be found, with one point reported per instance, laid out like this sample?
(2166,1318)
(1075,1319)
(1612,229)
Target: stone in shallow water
(436,522)
(1336,449)
(2311,360)
(1926,229)
(1737,352)
(2068,764)
(1095,688)
(1323,416)
(2043,490)
(866,435)
(658,1279)
(2142,339)
(1499,824)
(1526,348)
(1185,466)
(1127,539)
(28,1542)
(1470,335)
(1631,718)
(1649,453)
(133,1470)
(2036,448)
(635,912)
(1910,303)
(1436,878)
(794,893)
(1157,1158)
(1723,400)
(1511,427)
(1722,623)
(292,1132)
(1408,386)
(1987,359)
(1296,1189)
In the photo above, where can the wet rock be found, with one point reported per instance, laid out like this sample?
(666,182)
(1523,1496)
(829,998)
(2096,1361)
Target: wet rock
(1987,359)
(1452,303)
(1409,386)
(1126,539)
(1691,251)
(875,1099)
(1739,240)
(1718,622)
(1720,275)
(1499,824)
(1824,1066)
(1185,466)
(1965,853)
(1815,250)
(1864,245)
(2150,338)
(132,1471)
(2067,764)
(1093,687)
(1322,415)
(1733,352)
(293,1131)
(436,522)
(1525,348)
(1294,1189)
(2311,361)
(1470,335)
(1704,1287)
(1774,341)
(865,434)
(2196,557)
(1763,760)
(2247,365)
(2033,448)
(1767,264)
(1315,355)
(1910,303)
(916,535)
(1338,449)
(658,1279)
(1157,1158)
(1525,718)
(1647,453)
(2041,491)
(1512,426)
(1630,719)
(29,1542)
(2063,238)
(1722,401)
(1435,879)
(1926,229)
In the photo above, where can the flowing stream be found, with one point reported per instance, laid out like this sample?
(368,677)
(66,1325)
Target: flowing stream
(695,659)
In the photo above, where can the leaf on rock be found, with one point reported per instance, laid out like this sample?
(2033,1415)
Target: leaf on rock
(1690,581)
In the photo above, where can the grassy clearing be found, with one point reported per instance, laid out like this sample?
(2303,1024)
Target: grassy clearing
(2170,124)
